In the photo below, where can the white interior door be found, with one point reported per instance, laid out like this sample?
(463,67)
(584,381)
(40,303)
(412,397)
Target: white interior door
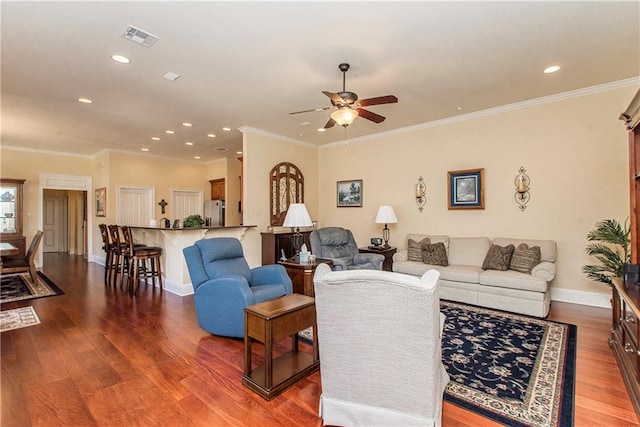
(185,203)
(135,205)
(53,221)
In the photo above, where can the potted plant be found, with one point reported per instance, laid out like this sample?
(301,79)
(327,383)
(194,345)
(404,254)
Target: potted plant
(193,221)
(611,249)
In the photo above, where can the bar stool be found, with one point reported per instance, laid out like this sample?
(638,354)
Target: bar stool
(108,248)
(138,257)
(118,259)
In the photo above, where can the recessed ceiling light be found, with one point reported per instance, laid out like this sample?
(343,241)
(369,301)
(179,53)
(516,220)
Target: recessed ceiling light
(238,152)
(226,129)
(85,100)
(305,123)
(121,59)
(188,143)
(155,138)
(187,124)
(144,149)
(458,108)
(321,129)
(196,157)
(211,135)
(170,132)
(551,69)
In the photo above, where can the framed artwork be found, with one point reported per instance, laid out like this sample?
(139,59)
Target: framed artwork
(349,194)
(101,201)
(466,189)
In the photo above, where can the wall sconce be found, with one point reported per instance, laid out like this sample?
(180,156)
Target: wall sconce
(421,194)
(522,195)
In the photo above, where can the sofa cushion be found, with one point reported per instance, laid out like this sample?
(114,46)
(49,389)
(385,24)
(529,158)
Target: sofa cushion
(460,273)
(525,258)
(434,254)
(513,280)
(468,250)
(414,249)
(498,258)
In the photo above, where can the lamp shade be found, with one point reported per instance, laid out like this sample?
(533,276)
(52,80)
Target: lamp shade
(297,216)
(344,116)
(386,215)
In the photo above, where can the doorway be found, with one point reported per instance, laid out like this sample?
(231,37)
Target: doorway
(65,212)
(64,219)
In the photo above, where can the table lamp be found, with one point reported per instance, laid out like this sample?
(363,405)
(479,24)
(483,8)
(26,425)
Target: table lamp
(385,216)
(297,216)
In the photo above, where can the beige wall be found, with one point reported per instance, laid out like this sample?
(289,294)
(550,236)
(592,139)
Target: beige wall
(30,165)
(574,151)
(261,153)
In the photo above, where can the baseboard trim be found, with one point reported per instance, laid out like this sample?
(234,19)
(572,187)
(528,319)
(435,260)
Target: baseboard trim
(180,289)
(593,299)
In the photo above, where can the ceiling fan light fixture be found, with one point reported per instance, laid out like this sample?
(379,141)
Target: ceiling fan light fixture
(344,116)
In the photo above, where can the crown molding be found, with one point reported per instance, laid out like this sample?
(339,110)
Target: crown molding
(249,129)
(634,81)
(49,152)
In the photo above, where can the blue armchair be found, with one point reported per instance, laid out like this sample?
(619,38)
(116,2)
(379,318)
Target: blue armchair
(338,245)
(224,284)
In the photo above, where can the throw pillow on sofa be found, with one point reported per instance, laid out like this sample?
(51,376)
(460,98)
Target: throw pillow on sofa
(525,258)
(414,252)
(435,254)
(498,257)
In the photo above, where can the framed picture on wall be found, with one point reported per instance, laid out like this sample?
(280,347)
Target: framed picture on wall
(349,193)
(466,189)
(101,201)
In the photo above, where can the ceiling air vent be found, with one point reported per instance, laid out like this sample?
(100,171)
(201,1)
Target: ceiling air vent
(141,37)
(222,149)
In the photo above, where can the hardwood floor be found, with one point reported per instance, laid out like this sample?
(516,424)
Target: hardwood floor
(101,357)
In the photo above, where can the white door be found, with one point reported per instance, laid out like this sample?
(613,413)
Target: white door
(135,205)
(52,239)
(185,203)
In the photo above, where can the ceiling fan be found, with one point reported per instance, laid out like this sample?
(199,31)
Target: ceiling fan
(348,107)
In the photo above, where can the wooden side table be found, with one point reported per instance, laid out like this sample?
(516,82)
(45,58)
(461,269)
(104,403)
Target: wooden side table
(387,264)
(269,322)
(301,274)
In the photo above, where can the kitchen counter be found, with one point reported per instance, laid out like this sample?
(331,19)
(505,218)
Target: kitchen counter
(173,241)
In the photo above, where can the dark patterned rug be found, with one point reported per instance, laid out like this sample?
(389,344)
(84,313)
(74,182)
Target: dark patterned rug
(514,369)
(18,287)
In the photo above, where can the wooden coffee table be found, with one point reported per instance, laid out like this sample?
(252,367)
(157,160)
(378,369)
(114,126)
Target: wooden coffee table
(269,322)
(301,274)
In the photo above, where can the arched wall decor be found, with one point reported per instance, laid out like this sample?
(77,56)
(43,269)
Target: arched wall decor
(286,186)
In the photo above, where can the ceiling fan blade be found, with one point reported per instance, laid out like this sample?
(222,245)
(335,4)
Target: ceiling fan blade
(335,98)
(331,123)
(376,118)
(389,99)
(309,111)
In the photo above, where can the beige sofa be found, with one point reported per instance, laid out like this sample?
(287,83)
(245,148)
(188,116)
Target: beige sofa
(464,280)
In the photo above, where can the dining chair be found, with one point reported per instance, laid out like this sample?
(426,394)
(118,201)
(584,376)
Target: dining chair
(26,263)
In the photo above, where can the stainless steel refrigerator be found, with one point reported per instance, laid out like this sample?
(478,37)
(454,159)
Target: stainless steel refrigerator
(214,213)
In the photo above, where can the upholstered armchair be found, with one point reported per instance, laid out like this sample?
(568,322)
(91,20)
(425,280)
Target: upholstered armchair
(338,245)
(224,284)
(379,336)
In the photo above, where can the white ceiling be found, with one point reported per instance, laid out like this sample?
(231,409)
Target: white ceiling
(251,63)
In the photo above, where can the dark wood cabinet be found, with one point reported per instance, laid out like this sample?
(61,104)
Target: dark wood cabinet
(217,189)
(273,243)
(11,214)
(624,335)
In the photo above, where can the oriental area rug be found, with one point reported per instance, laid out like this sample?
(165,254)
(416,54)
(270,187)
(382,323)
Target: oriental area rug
(18,318)
(513,369)
(19,287)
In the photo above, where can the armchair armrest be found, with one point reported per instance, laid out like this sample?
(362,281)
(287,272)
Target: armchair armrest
(401,255)
(338,264)
(375,259)
(545,270)
(271,274)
